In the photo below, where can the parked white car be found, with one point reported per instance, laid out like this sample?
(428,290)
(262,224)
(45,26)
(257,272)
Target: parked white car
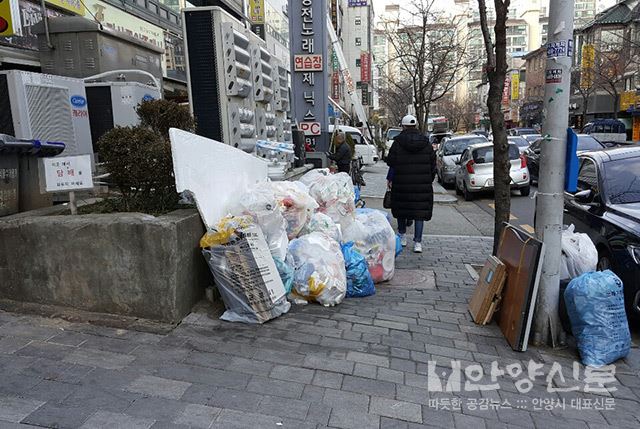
(364,149)
(392,133)
(475,170)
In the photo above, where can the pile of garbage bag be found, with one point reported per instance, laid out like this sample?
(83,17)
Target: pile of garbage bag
(595,303)
(298,242)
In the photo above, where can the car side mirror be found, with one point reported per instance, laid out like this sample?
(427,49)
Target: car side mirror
(586,198)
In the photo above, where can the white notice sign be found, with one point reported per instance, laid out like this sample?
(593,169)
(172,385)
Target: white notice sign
(66,173)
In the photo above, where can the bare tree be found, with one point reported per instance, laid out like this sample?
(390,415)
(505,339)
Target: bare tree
(395,96)
(460,113)
(496,72)
(582,84)
(426,52)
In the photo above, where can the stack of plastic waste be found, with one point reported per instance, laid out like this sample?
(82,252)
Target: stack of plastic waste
(334,194)
(320,274)
(595,303)
(282,152)
(244,271)
(579,254)
(320,222)
(373,238)
(296,205)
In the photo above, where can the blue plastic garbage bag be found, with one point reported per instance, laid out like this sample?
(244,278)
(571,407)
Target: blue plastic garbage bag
(286,273)
(356,191)
(398,245)
(595,303)
(359,281)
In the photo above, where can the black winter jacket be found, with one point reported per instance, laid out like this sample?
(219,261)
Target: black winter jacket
(414,163)
(343,154)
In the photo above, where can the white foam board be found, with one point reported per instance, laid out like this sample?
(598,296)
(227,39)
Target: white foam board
(215,173)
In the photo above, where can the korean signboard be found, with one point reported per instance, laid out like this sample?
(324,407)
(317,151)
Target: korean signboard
(308,44)
(66,174)
(257,17)
(553,76)
(587,63)
(29,15)
(335,85)
(9,18)
(365,94)
(74,6)
(506,91)
(515,86)
(365,67)
(560,48)
(357,3)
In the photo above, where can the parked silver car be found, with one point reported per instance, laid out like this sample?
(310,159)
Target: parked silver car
(449,152)
(522,142)
(475,170)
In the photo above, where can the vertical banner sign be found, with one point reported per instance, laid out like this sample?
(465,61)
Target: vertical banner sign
(256,15)
(586,66)
(506,91)
(9,18)
(636,128)
(515,86)
(335,85)
(365,67)
(310,79)
(365,94)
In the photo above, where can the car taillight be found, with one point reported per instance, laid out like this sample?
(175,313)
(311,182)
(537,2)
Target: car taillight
(523,161)
(469,166)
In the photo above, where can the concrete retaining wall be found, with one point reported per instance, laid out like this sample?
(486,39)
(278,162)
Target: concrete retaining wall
(126,263)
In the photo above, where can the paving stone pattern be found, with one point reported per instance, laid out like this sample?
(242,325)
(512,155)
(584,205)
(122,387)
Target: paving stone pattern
(362,364)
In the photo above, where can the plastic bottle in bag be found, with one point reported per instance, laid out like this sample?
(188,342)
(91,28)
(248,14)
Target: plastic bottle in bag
(296,205)
(261,204)
(374,238)
(319,269)
(334,194)
(595,303)
(320,222)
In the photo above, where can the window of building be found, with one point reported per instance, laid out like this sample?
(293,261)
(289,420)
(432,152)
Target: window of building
(358,20)
(357,62)
(152,7)
(358,41)
(164,14)
(141,3)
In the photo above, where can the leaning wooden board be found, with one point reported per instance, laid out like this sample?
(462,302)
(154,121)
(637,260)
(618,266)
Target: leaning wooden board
(488,291)
(522,255)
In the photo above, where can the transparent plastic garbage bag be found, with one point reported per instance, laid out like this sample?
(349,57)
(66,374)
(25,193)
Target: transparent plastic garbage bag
(320,222)
(296,205)
(579,254)
(334,194)
(319,268)
(374,238)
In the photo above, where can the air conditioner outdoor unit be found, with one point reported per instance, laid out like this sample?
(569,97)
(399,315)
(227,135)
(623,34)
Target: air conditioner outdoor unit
(114,104)
(234,82)
(45,107)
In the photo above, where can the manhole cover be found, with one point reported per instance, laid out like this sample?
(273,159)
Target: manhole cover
(414,279)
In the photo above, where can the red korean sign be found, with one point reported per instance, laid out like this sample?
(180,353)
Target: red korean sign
(365,67)
(311,128)
(506,91)
(307,63)
(335,85)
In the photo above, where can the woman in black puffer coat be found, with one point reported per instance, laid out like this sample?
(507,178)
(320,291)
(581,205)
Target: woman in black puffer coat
(414,164)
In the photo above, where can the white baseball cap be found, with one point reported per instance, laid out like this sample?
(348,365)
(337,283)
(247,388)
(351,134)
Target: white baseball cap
(410,121)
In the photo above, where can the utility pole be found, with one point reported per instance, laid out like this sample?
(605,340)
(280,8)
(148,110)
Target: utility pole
(550,197)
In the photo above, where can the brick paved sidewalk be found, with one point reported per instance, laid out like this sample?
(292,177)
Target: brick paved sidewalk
(362,364)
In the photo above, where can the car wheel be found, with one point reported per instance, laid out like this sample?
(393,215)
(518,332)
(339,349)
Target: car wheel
(604,261)
(525,191)
(468,196)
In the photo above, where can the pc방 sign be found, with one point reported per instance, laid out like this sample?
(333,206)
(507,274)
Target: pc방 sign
(65,174)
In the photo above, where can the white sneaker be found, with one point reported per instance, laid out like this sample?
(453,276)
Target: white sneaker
(417,247)
(403,240)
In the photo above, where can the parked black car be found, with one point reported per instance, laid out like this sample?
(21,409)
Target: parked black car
(532,153)
(607,208)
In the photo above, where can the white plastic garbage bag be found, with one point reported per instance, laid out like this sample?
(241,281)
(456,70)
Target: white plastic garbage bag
(320,273)
(261,204)
(334,194)
(320,222)
(579,254)
(375,240)
(296,205)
